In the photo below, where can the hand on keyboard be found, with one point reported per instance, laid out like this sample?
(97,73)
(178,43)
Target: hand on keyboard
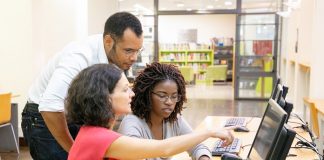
(219,149)
(225,135)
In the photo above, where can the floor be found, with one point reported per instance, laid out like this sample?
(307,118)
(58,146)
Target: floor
(203,100)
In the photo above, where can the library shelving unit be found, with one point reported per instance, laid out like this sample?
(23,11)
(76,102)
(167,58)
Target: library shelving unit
(198,59)
(223,55)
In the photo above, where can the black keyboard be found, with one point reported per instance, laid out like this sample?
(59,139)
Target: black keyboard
(233,148)
(235,121)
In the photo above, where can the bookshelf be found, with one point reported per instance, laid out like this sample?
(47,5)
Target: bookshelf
(224,55)
(198,59)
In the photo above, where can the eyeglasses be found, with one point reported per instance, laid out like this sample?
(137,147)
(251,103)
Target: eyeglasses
(131,52)
(164,98)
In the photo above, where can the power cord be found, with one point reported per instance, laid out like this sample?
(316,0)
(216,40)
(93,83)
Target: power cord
(304,125)
(250,120)
(297,116)
(303,143)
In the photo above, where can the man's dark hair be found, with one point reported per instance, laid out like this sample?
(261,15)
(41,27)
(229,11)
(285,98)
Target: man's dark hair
(87,100)
(146,81)
(119,22)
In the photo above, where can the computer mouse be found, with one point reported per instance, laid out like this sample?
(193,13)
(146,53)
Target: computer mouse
(241,129)
(230,156)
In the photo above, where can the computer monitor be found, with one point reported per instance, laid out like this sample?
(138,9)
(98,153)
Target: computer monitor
(285,91)
(284,141)
(277,94)
(286,106)
(275,89)
(268,133)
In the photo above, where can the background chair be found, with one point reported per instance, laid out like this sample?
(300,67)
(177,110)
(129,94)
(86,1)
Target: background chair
(8,137)
(216,73)
(188,74)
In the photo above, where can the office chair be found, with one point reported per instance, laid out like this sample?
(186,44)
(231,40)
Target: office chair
(8,139)
(216,73)
(188,74)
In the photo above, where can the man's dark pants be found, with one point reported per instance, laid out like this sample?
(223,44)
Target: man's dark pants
(41,143)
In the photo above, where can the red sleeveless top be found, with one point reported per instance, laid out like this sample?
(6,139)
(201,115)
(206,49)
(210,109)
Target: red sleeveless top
(92,143)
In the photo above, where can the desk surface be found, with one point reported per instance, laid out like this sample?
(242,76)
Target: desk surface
(246,137)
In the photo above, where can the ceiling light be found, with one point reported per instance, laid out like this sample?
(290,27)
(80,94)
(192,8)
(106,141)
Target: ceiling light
(139,7)
(210,7)
(284,14)
(189,9)
(228,3)
(180,5)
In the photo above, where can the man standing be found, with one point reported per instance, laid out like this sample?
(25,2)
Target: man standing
(44,124)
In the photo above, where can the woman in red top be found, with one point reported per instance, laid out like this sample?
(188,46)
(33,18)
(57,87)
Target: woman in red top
(96,97)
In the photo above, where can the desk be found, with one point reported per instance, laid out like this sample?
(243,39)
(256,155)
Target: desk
(246,137)
(316,107)
(319,105)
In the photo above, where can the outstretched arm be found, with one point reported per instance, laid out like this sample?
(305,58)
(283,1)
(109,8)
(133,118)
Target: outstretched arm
(134,148)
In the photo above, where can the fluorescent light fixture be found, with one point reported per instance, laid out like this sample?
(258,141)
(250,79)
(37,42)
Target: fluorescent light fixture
(294,4)
(210,7)
(284,14)
(228,3)
(139,7)
(180,5)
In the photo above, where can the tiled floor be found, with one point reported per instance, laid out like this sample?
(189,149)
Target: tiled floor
(202,101)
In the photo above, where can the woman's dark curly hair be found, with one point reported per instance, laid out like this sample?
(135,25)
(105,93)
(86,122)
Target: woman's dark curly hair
(87,100)
(146,81)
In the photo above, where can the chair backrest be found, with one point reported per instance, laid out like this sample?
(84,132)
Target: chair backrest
(216,72)
(187,73)
(5,108)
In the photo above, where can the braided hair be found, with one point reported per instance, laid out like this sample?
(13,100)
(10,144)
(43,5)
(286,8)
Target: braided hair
(144,84)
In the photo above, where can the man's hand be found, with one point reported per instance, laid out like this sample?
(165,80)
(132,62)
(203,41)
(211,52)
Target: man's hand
(56,123)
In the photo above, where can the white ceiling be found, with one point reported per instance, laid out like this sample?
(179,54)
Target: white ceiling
(147,5)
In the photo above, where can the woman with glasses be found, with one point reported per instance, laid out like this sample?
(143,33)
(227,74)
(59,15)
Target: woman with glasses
(95,99)
(159,96)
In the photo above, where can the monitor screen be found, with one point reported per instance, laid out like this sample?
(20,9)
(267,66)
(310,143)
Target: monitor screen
(284,141)
(278,94)
(269,129)
(275,89)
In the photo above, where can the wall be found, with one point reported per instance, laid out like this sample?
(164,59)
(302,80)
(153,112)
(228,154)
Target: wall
(207,26)
(317,58)
(16,56)
(33,31)
(304,81)
(98,12)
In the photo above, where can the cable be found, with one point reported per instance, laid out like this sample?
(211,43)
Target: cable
(250,120)
(307,145)
(296,115)
(305,127)
(246,145)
